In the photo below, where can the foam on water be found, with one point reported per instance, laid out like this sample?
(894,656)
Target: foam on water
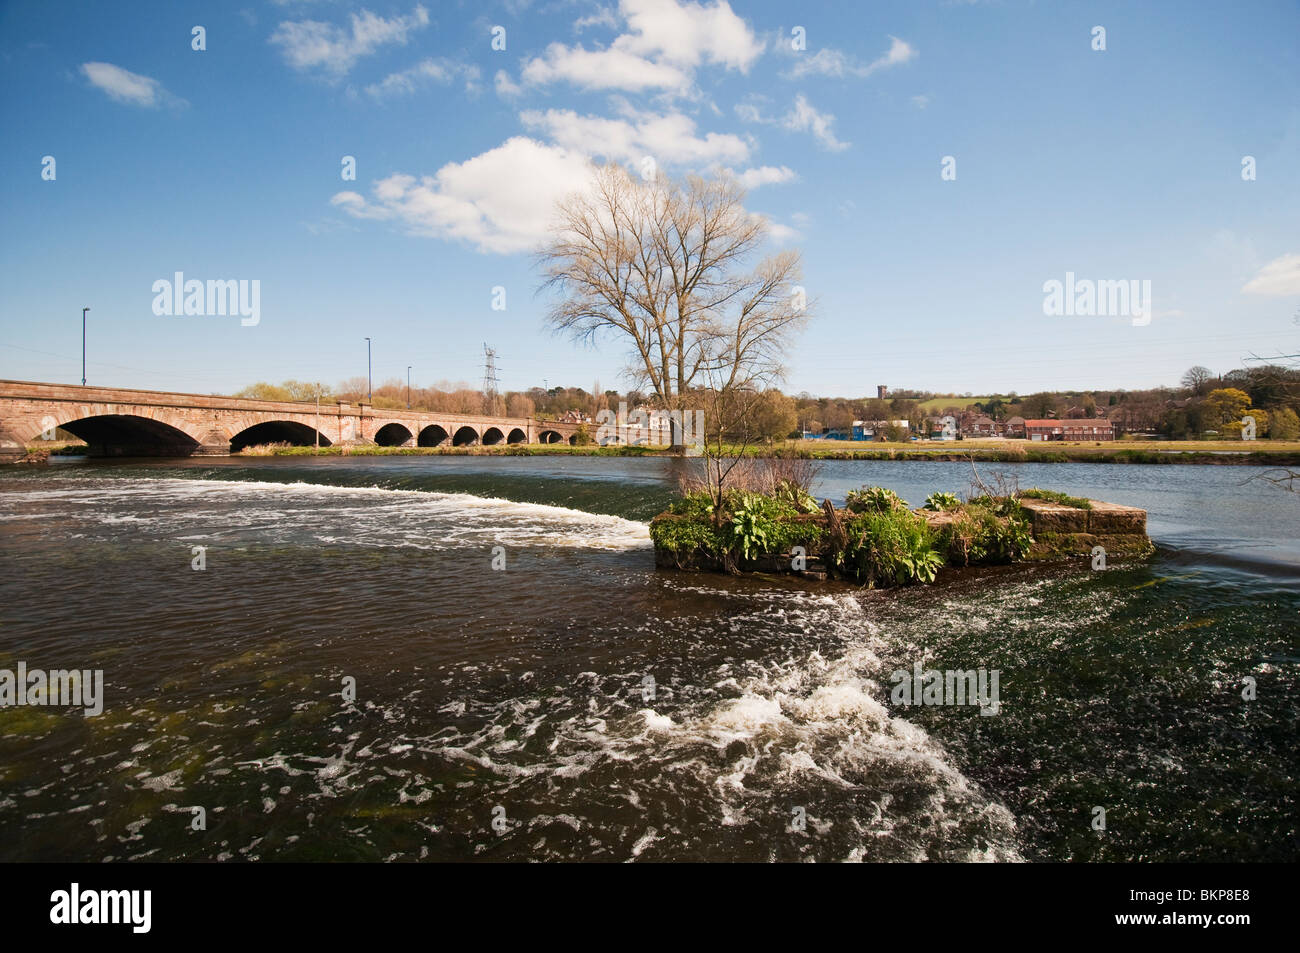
(366,516)
(805,731)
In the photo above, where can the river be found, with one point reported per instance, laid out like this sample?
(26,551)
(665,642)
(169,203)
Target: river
(529,687)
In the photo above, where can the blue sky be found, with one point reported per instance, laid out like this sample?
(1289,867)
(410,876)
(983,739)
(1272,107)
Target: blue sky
(1115,164)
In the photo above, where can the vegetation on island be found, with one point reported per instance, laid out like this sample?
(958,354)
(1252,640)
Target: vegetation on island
(769,521)
(1051,496)
(876,546)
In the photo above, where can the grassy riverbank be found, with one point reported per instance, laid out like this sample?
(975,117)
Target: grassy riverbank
(1254,453)
(1263,453)
(1276,453)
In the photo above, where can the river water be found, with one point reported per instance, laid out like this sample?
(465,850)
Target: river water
(529,687)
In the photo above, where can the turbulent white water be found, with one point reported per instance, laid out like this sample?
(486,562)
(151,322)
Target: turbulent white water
(762,740)
(215,510)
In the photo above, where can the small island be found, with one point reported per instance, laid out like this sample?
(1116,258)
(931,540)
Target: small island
(876,540)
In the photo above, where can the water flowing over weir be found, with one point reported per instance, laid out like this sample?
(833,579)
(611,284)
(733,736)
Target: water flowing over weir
(609,711)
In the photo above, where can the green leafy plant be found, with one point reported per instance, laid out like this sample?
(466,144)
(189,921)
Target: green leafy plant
(790,492)
(1000,505)
(874,499)
(698,503)
(978,535)
(751,524)
(890,547)
(926,566)
(684,535)
(942,502)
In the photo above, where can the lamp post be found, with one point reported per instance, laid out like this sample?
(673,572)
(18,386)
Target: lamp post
(368,384)
(83,346)
(408,386)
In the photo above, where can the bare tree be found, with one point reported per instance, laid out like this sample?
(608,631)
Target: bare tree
(662,264)
(1197,378)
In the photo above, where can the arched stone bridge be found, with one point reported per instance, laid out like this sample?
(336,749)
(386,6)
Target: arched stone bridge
(119,422)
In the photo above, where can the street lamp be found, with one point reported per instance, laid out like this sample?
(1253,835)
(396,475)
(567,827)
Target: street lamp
(83,346)
(408,386)
(368,384)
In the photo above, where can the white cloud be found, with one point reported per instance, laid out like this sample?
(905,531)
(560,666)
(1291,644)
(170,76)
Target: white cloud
(669,138)
(502,201)
(828,62)
(666,40)
(1279,278)
(127,87)
(803,117)
(763,175)
(409,80)
(506,87)
(603,69)
(602,17)
(313,45)
(689,33)
(921,101)
(776,232)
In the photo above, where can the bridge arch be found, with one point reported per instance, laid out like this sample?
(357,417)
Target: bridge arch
(465,436)
(550,436)
(433,436)
(393,435)
(492,436)
(130,435)
(276,431)
(517,436)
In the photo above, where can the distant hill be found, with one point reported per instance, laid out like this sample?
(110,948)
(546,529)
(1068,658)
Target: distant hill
(935,404)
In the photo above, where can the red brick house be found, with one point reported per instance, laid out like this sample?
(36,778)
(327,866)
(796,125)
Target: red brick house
(1069,429)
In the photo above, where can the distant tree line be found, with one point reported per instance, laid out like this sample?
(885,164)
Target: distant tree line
(448,397)
(1205,404)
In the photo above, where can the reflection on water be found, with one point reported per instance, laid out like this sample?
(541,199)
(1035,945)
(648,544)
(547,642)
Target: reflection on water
(609,711)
